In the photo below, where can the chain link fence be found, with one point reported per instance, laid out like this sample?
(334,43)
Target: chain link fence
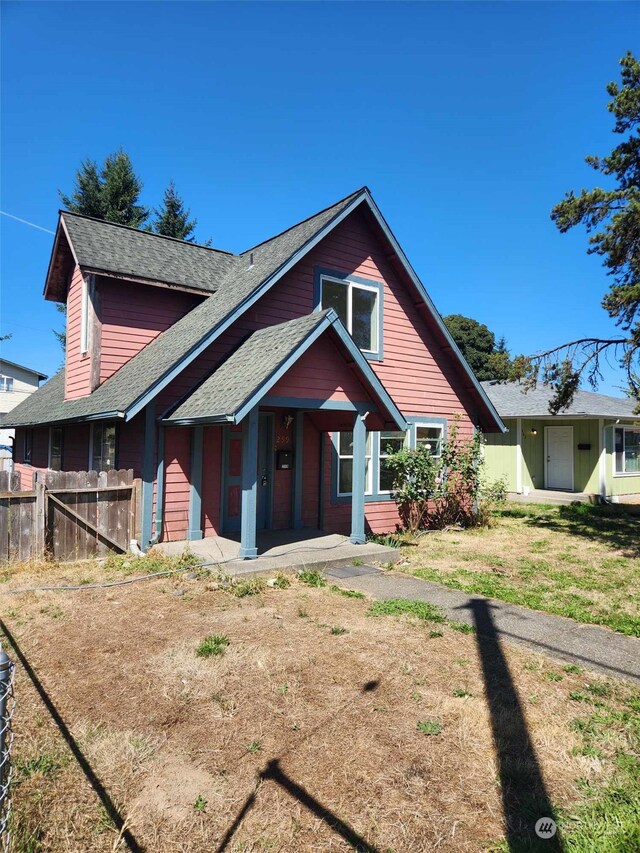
(7,706)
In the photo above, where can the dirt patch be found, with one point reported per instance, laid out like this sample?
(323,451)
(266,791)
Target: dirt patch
(312,728)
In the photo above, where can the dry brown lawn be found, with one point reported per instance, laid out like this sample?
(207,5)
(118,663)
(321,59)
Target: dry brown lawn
(179,742)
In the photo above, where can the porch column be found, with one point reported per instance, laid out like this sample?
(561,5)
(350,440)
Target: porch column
(248,549)
(195,491)
(148,458)
(358,481)
(297,472)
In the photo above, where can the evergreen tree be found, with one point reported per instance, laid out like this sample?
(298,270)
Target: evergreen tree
(172,220)
(121,189)
(477,343)
(111,193)
(86,197)
(611,217)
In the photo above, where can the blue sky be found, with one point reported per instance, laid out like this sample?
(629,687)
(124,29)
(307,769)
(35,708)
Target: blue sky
(467,121)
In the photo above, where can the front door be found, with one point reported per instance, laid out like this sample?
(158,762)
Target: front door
(559,458)
(232,476)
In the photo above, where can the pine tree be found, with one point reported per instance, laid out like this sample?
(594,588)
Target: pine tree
(172,220)
(121,189)
(86,197)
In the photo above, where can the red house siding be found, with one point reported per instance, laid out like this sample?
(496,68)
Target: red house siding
(211,485)
(78,365)
(132,316)
(177,469)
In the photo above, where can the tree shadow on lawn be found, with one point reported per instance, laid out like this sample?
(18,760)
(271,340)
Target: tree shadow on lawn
(109,806)
(524,794)
(609,524)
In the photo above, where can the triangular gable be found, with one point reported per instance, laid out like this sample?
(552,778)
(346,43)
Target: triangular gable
(267,364)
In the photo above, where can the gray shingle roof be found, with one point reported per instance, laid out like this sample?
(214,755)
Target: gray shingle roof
(242,375)
(105,246)
(193,331)
(511,401)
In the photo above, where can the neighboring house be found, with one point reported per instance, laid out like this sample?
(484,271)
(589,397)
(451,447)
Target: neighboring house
(16,384)
(252,391)
(592,447)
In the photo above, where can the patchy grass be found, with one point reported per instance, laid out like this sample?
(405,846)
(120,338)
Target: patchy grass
(579,561)
(180,744)
(212,646)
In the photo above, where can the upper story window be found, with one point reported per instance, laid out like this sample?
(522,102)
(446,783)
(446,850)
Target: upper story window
(358,304)
(6,383)
(627,450)
(103,447)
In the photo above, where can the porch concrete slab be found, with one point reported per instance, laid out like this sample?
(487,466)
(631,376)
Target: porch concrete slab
(591,646)
(549,496)
(285,550)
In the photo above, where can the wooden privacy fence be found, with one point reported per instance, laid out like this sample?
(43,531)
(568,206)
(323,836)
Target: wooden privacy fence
(68,515)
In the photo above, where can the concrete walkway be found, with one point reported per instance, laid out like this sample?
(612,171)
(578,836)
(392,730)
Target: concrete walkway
(595,648)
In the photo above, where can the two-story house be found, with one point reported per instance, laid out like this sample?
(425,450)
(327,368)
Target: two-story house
(260,390)
(16,384)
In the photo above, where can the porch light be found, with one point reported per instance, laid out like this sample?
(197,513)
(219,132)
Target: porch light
(534,432)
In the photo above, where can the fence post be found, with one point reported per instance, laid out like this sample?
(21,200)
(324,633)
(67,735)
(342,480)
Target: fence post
(7,704)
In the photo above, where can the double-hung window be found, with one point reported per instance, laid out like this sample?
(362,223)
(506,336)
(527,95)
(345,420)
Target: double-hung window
(55,448)
(429,436)
(103,447)
(357,305)
(627,450)
(345,463)
(6,383)
(390,442)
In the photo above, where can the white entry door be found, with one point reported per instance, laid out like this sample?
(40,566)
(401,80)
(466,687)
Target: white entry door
(559,459)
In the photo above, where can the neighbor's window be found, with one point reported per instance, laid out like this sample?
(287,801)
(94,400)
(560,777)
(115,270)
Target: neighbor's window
(357,307)
(345,463)
(55,448)
(103,447)
(6,383)
(28,446)
(430,437)
(390,442)
(627,450)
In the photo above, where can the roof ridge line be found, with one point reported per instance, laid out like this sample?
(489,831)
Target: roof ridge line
(362,189)
(61,212)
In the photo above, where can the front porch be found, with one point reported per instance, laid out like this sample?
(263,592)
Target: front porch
(284,550)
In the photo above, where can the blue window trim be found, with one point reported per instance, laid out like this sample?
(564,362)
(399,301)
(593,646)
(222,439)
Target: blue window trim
(376,496)
(319,272)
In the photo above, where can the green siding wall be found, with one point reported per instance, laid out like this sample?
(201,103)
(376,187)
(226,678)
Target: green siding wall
(500,456)
(500,453)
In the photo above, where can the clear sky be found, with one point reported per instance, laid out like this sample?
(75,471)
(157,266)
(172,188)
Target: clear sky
(468,121)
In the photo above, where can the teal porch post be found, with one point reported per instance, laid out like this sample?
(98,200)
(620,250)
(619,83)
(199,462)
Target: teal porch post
(148,459)
(297,472)
(195,492)
(248,549)
(358,481)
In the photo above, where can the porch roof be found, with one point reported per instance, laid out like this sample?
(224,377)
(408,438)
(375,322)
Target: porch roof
(254,368)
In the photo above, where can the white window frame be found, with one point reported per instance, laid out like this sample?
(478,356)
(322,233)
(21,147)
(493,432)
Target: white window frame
(367,456)
(429,425)
(84,318)
(351,285)
(6,384)
(625,429)
(382,455)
